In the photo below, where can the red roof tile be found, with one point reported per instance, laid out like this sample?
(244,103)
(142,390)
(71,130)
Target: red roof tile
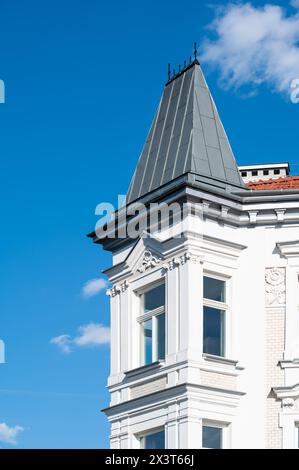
(288,182)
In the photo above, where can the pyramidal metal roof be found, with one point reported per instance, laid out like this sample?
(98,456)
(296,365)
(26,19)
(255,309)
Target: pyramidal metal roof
(186,136)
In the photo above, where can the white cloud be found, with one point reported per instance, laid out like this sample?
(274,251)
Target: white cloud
(295,3)
(63,342)
(92,334)
(254,45)
(94,287)
(9,435)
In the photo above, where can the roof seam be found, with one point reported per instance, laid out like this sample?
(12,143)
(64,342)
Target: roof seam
(171,134)
(150,147)
(161,138)
(183,124)
(203,134)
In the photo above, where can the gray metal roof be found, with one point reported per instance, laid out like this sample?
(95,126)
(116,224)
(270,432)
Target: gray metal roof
(186,136)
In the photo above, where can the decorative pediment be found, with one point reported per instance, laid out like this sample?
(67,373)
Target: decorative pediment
(146,254)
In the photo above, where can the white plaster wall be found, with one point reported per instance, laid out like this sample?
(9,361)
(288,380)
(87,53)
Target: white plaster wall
(255,421)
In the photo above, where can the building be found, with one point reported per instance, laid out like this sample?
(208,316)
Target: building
(264,172)
(205,308)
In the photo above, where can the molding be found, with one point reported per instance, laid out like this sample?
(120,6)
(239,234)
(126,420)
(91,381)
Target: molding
(275,287)
(141,370)
(219,360)
(289,364)
(176,392)
(289,249)
(239,209)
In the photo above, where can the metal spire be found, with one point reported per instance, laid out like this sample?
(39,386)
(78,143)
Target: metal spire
(195,52)
(169,72)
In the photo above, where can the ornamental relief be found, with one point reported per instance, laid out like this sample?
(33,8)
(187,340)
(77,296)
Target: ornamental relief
(181,260)
(275,286)
(117,289)
(288,403)
(149,261)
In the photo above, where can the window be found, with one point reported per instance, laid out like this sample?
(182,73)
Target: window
(212,437)
(244,174)
(254,173)
(214,316)
(276,172)
(152,324)
(153,441)
(265,172)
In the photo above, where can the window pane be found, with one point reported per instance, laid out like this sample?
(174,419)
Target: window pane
(213,331)
(161,336)
(211,437)
(213,289)
(147,342)
(154,441)
(154,298)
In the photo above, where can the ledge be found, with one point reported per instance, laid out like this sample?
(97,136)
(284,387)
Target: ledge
(142,369)
(221,360)
(176,391)
(289,363)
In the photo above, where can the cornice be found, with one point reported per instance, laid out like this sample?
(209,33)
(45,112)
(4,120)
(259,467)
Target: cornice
(289,249)
(288,395)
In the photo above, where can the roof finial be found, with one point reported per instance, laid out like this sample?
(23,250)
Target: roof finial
(195,52)
(169,72)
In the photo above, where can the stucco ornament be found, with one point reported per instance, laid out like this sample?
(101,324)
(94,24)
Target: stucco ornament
(172,264)
(288,402)
(117,289)
(149,261)
(275,286)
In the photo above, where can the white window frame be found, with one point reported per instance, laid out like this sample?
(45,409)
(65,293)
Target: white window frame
(225,444)
(151,315)
(225,306)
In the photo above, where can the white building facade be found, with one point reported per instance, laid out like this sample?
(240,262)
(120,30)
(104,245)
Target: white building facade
(204,312)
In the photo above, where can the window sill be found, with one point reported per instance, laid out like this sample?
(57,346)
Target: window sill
(220,360)
(142,369)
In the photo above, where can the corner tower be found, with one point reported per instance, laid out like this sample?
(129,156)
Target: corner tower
(173,379)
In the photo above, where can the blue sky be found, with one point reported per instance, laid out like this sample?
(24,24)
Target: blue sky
(83,80)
